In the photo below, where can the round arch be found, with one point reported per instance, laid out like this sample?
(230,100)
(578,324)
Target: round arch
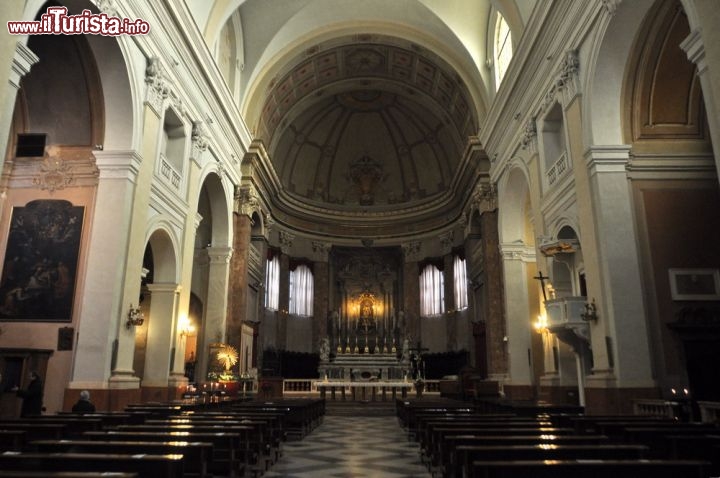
(219,204)
(606,72)
(512,204)
(164,249)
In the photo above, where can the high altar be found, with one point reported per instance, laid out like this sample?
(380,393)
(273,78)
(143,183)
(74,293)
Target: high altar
(366,327)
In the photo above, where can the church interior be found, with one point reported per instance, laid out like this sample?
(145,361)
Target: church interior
(511,199)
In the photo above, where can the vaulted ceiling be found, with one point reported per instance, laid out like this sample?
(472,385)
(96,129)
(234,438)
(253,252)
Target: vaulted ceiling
(365,108)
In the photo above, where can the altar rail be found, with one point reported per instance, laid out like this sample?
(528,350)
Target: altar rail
(709,412)
(654,408)
(305,386)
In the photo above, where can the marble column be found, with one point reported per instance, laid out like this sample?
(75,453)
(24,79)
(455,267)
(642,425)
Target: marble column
(493,305)
(451,315)
(238,282)
(284,301)
(321,302)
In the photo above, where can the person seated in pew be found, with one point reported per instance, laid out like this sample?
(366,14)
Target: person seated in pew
(84,405)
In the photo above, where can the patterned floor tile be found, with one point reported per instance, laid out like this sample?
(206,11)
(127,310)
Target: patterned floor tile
(351,447)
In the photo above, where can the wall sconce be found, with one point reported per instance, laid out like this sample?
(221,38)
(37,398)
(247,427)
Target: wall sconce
(187,329)
(135,317)
(590,314)
(541,324)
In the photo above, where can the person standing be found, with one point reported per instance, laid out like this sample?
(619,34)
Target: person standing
(32,397)
(84,405)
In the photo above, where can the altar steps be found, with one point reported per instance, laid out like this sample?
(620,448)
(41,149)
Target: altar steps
(360,409)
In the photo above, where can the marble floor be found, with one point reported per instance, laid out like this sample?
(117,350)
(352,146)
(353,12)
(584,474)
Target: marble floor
(351,447)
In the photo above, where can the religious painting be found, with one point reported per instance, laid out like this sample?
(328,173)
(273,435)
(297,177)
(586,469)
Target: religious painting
(40,270)
(695,284)
(223,360)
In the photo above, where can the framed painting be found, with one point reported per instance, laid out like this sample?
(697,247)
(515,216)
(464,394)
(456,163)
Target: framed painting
(695,284)
(41,258)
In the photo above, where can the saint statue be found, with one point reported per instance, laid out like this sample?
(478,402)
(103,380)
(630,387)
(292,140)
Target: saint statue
(324,349)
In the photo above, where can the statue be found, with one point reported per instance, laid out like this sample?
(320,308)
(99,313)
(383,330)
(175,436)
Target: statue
(324,349)
(406,350)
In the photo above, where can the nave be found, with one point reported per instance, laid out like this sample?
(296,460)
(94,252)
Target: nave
(352,447)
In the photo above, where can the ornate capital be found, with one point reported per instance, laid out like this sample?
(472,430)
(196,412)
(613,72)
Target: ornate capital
(529,136)
(247,201)
(321,249)
(199,139)
(157,86)
(286,240)
(446,241)
(484,197)
(219,255)
(567,82)
(411,250)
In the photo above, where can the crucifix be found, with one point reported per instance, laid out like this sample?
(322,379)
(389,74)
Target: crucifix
(542,280)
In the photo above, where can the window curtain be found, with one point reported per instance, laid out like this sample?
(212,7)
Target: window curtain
(301,291)
(432,291)
(272,283)
(460,277)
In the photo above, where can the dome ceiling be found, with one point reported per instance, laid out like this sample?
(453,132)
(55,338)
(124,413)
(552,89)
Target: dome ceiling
(367,121)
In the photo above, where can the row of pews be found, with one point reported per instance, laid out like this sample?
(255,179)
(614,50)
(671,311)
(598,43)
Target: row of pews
(235,439)
(457,440)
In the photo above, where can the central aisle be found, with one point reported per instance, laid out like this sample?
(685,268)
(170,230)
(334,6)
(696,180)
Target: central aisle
(352,447)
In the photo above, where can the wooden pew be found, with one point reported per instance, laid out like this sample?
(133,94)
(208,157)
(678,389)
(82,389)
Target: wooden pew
(146,466)
(12,440)
(226,456)
(589,468)
(36,430)
(64,474)
(465,455)
(73,425)
(450,443)
(196,455)
(252,450)
(657,438)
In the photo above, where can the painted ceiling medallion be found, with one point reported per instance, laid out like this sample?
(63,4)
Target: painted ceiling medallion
(364,60)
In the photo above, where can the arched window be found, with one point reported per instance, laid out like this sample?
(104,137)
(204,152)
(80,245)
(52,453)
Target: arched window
(502,50)
(460,279)
(432,291)
(301,291)
(272,283)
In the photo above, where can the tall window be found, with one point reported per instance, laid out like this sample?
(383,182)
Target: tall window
(272,283)
(301,291)
(460,279)
(432,291)
(502,49)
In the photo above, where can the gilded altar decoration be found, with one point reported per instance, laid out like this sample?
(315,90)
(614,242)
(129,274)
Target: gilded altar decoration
(222,366)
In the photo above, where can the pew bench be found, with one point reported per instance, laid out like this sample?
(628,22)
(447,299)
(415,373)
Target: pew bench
(36,430)
(589,469)
(196,455)
(253,450)
(65,474)
(450,443)
(226,458)
(12,440)
(146,466)
(464,455)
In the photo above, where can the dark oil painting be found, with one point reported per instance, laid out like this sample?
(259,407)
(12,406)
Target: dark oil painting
(40,268)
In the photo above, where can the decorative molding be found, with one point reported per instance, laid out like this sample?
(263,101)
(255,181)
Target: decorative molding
(157,85)
(517,251)
(199,138)
(528,140)
(567,81)
(286,241)
(23,60)
(695,49)
(108,7)
(219,255)
(55,172)
(411,250)
(611,6)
